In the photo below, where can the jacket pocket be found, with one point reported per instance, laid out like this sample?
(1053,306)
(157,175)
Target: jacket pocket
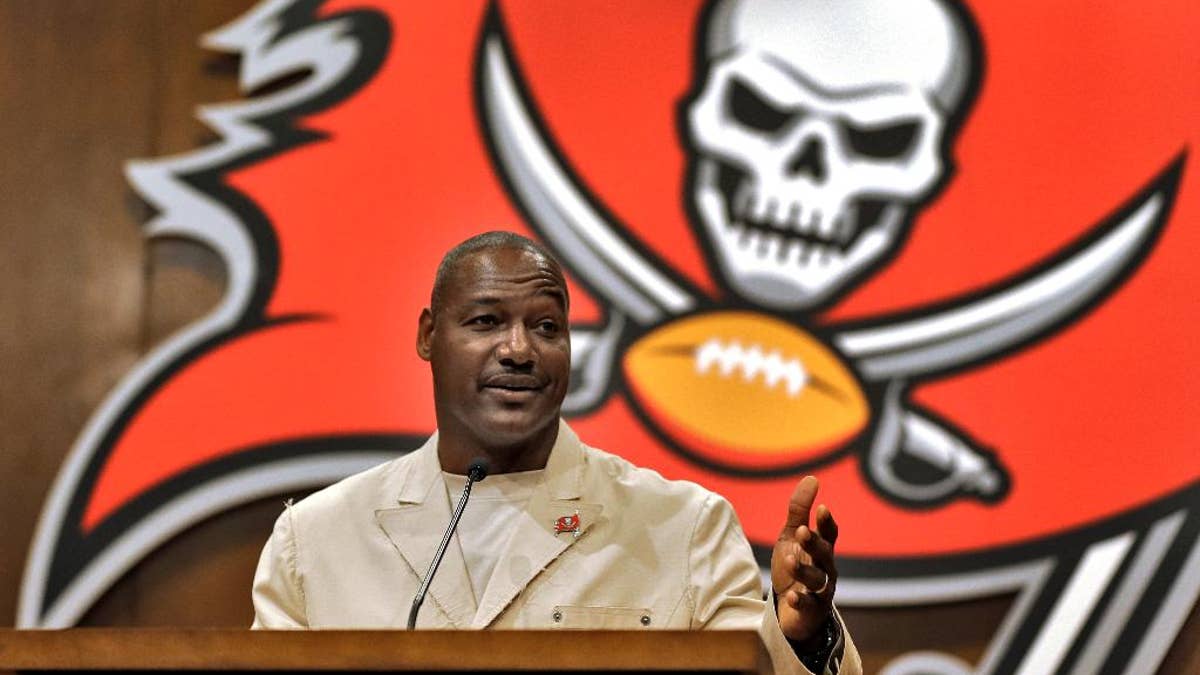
(620,618)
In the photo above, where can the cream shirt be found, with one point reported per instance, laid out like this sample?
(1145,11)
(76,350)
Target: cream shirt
(489,520)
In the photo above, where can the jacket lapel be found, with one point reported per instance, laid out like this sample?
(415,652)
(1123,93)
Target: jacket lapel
(534,542)
(415,527)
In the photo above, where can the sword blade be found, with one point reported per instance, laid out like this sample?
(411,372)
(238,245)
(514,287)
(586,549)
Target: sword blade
(557,206)
(1011,315)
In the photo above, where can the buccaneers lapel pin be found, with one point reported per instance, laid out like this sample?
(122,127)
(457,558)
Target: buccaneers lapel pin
(567,524)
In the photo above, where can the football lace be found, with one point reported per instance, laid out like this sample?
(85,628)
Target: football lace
(751,362)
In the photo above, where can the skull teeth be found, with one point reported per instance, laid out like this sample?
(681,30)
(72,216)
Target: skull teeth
(793,219)
(749,233)
(843,227)
(787,248)
(768,215)
(795,252)
(784,233)
(812,223)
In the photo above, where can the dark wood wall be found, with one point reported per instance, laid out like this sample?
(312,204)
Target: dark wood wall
(85,86)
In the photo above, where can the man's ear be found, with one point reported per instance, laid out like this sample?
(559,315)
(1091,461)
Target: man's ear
(425,334)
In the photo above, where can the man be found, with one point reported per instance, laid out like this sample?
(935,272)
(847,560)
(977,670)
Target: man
(569,537)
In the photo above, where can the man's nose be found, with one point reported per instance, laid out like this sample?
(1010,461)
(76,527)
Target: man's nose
(516,347)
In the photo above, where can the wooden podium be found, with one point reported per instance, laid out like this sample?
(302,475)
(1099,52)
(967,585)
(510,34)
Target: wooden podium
(226,650)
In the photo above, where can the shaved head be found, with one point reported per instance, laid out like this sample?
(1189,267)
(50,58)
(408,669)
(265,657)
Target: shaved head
(488,241)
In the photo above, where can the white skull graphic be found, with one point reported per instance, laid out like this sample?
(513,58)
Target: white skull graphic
(819,125)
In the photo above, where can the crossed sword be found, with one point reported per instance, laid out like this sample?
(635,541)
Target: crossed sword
(889,354)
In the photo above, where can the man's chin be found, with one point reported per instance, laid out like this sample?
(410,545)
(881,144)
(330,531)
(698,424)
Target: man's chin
(515,428)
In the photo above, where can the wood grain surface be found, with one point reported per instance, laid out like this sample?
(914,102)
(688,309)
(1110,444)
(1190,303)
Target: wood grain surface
(550,651)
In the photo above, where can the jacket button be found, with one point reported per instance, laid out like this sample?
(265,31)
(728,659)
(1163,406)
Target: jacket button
(645,619)
(557,616)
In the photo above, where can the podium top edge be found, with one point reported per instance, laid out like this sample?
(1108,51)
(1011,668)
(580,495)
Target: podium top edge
(218,649)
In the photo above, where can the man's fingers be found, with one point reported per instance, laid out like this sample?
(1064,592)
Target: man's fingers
(826,525)
(783,564)
(800,504)
(820,552)
(814,579)
(792,598)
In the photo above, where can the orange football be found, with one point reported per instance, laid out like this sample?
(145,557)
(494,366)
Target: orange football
(745,390)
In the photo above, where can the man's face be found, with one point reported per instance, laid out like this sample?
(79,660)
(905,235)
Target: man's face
(499,349)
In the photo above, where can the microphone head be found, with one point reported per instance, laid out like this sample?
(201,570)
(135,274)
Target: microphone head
(478,469)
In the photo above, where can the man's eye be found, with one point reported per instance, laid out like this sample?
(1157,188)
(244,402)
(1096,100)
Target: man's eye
(483,320)
(548,327)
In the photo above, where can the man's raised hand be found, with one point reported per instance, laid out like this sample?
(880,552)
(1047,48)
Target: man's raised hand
(803,574)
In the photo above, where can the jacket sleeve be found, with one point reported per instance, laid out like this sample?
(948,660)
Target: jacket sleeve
(726,587)
(278,592)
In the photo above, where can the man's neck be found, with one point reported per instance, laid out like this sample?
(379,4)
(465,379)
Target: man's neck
(456,454)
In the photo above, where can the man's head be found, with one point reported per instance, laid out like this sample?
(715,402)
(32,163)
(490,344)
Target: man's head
(496,337)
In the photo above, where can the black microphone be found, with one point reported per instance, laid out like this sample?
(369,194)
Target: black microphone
(477,471)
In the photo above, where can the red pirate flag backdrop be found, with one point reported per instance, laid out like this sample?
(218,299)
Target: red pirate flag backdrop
(1066,141)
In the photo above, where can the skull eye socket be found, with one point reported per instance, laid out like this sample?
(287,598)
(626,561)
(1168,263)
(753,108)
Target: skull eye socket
(753,111)
(890,142)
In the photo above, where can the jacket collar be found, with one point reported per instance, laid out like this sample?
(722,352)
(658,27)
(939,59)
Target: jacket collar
(566,467)
(420,513)
(414,521)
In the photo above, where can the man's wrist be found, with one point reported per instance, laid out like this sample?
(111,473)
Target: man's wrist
(815,650)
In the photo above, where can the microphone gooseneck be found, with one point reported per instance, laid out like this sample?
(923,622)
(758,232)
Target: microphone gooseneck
(477,471)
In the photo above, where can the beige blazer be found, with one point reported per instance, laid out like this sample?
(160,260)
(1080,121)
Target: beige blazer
(649,553)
